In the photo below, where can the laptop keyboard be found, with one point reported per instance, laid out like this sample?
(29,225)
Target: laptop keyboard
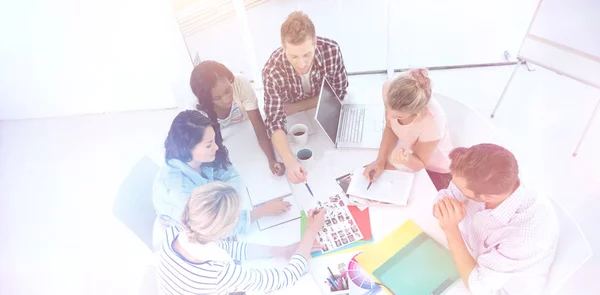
(352,125)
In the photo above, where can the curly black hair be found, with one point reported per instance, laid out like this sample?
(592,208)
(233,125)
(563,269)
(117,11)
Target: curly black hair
(187,130)
(204,77)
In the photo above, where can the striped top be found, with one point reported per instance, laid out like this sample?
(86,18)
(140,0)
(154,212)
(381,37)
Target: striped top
(176,275)
(244,100)
(235,116)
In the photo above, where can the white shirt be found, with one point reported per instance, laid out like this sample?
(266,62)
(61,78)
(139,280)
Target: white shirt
(306,82)
(513,244)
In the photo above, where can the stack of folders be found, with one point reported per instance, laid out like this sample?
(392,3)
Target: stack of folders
(408,261)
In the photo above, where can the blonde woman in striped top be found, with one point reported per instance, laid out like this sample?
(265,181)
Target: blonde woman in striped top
(194,259)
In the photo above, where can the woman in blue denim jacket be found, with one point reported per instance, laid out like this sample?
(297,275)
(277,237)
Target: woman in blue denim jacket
(194,156)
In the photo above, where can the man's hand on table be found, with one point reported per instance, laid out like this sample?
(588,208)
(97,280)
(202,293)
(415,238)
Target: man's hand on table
(449,212)
(296,173)
(277,168)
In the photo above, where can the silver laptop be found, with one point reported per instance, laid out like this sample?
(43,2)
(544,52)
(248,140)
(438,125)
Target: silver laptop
(349,125)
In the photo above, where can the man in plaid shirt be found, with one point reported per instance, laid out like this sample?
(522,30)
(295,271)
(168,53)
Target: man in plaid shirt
(292,79)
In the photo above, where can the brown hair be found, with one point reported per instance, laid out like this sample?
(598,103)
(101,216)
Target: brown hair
(296,28)
(410,92)
(488,168)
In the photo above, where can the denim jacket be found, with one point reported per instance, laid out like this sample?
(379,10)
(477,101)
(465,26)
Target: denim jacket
(175,182)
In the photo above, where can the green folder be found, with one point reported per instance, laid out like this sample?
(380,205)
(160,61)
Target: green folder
(423,266)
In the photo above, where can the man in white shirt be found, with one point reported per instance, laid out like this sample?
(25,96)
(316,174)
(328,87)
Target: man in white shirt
(502,237)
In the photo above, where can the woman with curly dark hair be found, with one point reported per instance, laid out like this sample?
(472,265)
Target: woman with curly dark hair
(195,156)
(228,99)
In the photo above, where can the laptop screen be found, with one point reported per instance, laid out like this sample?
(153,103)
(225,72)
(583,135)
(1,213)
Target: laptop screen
(328,112)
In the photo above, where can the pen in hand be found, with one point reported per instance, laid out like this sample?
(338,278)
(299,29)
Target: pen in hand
(371,174)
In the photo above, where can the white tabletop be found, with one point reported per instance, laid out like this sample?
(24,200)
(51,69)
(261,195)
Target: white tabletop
(328,164)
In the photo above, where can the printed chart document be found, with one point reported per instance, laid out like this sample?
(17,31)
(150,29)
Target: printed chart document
(268,187)
(392,186)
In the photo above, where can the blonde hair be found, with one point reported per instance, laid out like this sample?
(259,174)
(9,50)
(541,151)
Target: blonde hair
(211,212)
(296,28)
(410,92)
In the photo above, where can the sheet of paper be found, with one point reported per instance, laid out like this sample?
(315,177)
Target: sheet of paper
(340,228)
(264,186)
(271,221)
(392,186)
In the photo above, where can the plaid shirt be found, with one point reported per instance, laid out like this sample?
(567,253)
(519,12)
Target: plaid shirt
(283,85)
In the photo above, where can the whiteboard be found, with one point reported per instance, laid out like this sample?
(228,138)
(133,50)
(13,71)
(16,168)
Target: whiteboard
(565,37)
(429,33)
(573,23)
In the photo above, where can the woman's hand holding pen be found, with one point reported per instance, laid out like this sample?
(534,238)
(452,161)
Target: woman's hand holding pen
(374,170)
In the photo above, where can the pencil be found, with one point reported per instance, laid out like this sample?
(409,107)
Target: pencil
(330,272)
(371,174)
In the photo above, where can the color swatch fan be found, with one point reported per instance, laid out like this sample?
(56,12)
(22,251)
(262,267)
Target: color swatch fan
(361,279)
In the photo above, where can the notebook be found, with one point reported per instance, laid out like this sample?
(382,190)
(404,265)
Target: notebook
(269,188)
(408,261)
(392,186)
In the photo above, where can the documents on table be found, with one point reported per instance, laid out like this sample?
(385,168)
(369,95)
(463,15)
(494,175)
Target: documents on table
(340,228)
(264,187)
(271,221)
(391,186)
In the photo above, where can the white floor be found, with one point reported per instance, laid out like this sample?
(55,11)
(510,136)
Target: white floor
(59,177)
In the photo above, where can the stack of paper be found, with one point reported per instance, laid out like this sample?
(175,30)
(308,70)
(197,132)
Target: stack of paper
(392,186)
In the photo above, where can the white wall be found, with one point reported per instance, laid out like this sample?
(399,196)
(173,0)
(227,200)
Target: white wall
(67,57)
(424,33)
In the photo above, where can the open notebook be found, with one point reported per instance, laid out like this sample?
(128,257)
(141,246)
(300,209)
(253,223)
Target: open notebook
(272,187)
(392,186)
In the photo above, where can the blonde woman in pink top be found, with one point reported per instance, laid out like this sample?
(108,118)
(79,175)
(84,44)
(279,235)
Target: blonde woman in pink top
(416,134)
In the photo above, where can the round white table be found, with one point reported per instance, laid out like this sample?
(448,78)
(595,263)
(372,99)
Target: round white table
(328,164)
